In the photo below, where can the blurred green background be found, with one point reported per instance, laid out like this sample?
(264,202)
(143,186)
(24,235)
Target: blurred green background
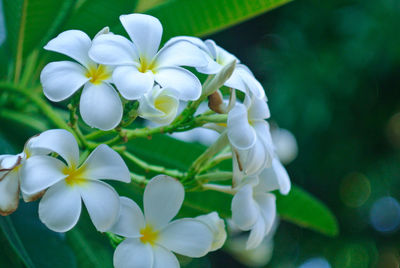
(331,72)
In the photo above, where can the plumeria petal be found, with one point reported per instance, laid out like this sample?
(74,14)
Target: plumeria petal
(181,80)
(164,258)
(217,226)
(73,43)
(256,159)
(132,253)
(222,56)
(105,163)
(61,79)
(32,197)
(41,172)
(212,48)
(29,151)
(112,49)
(188,237)
(145,31)
(245,210)
(264,135)
(274,178)
(9,162)
(236,82)
(212,67)
(259,109)
(267,204)
(162,199)
(194,40)
(102,203)
(257,234)
(130,221)
(251,83)
(9,193)
(181,53)
(60,207)
(131,83)
(100,106)
(59,141)
(240,133)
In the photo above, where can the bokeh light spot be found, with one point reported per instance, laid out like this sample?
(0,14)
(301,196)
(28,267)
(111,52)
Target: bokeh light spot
(393,130)
(355,189)
(385,214)
(315,263)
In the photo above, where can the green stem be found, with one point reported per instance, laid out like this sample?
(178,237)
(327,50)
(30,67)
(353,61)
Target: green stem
(218,145)
(73,121)
(216,160)
(154,168)
(219,188)
(214,118)
(214,176)
(98,134)
(139,179)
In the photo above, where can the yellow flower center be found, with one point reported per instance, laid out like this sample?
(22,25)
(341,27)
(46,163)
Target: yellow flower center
(75,176)
(164,104)
(149,235)
(97,74)
(145,66)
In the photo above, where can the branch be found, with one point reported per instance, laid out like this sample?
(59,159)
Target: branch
(154,168)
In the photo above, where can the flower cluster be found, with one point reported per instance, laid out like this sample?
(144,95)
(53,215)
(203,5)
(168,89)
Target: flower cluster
(49,168)
(257,170)
(111,72)
(135,67)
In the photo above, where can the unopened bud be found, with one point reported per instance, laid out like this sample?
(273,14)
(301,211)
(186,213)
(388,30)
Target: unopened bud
(216,102)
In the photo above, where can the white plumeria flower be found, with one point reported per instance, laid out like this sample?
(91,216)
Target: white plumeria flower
(100,105)
(250,138)
(139,64)
(254,209)
(217,57)
(151,237)
(217,225)
(160,105)
(10,177)
(68,184)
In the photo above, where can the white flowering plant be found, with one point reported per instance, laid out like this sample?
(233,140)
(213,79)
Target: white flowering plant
(111,83)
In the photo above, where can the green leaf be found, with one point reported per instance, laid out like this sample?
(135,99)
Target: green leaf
(197,203)
(91,248)
(91,16)
(300,208)
(29,23)
(8,258)
(144,5)
(14,239)
(203,17)
(33,242)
